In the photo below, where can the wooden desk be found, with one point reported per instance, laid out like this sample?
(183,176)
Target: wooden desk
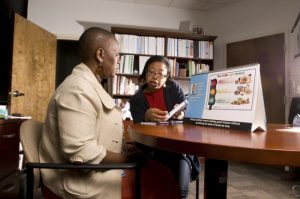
(9,154)
(220,145)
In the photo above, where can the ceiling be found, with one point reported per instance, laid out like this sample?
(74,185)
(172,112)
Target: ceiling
(200,5)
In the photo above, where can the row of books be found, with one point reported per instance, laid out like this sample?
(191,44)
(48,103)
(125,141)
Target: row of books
(187,69)
(185,48)
(149,45)
(206,50)
(141,44)
(180,48)
(123,85)
(198,68)
(126,66)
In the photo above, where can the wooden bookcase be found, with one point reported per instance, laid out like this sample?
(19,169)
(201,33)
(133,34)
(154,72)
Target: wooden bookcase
(188,54)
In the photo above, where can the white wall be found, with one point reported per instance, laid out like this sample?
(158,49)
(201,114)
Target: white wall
(67,18)
(249,19)
(255,18)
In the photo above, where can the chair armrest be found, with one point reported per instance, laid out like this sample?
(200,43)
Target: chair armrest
(81,166)
(30,166)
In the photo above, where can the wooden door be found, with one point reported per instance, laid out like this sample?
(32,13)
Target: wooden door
(269,52)
(33,69)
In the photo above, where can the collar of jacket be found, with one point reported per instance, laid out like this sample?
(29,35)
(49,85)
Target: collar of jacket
(85,72)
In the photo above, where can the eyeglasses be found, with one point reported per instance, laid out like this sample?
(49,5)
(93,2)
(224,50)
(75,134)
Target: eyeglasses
(158,75)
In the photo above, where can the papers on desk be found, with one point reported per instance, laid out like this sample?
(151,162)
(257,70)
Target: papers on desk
(18,117)
(296,120)
(171,122)
(293,129)
(296,126)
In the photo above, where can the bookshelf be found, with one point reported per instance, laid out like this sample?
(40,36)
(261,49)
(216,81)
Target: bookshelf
(188,54)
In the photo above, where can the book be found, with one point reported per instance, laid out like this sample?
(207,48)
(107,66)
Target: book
(181,106)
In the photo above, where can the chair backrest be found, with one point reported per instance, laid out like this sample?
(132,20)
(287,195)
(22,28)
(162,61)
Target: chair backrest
(30,135)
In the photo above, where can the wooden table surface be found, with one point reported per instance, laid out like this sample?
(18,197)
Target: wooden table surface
(218,146)
(271,147)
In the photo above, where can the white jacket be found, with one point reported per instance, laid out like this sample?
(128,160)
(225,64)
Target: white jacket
(82,122)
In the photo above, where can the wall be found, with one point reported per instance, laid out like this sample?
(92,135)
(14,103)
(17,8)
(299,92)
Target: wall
(256,18)
(68,18)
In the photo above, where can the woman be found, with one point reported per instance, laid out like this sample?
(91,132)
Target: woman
(157,96)
(83,124)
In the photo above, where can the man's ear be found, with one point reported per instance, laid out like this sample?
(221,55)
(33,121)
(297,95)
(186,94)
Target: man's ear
(100,54)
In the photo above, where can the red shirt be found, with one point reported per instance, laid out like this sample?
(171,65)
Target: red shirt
(156,99)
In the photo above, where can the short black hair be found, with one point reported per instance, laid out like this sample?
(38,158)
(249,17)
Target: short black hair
(155,58)
(91,39)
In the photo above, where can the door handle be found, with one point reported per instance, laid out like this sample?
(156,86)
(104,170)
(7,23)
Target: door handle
(16,94)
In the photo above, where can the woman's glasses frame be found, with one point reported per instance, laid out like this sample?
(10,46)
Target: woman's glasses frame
(158,75)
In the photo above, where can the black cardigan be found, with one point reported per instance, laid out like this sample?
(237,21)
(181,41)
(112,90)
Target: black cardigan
(173,94)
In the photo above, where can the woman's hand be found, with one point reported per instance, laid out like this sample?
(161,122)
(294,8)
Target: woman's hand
(112,157)
(179,115)
(133,152)
(156,115)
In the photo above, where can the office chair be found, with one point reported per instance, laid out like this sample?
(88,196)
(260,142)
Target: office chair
(127,123)
(294,108)
(197,187)
(30,134)
(294,171)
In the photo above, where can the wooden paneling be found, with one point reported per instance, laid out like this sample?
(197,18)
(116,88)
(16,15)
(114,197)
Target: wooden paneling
(33,68)
(269,52)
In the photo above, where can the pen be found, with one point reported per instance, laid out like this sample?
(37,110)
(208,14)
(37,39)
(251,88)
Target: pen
(149,123)
(163,123)
(155,123)
(176,121)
